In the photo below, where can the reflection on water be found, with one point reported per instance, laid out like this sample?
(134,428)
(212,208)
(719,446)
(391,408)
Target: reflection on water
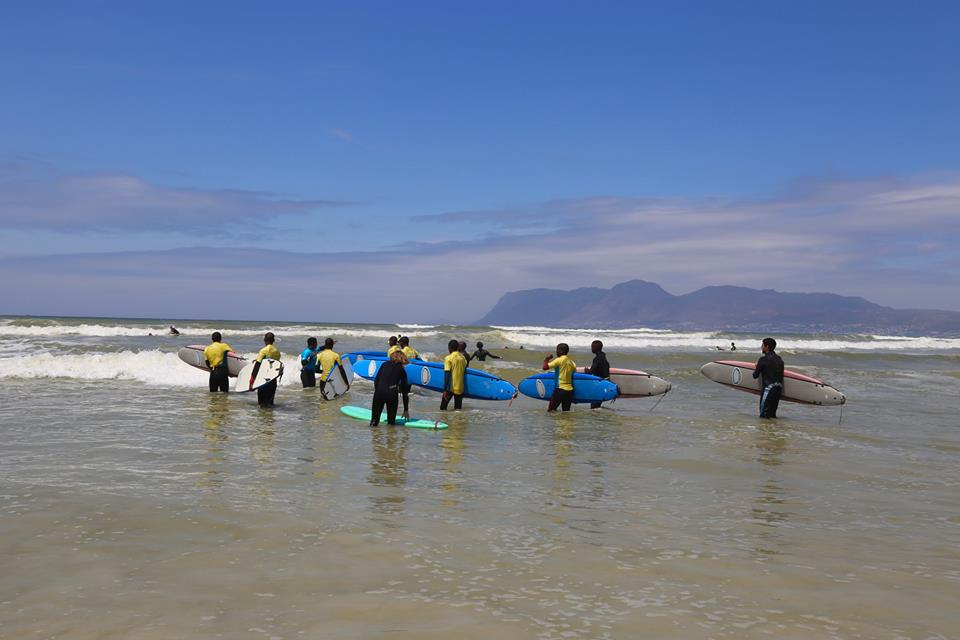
(453,445)
(216,438)
(388,469)
(770,509)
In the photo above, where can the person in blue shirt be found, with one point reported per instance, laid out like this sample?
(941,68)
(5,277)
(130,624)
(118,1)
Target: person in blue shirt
(308,362)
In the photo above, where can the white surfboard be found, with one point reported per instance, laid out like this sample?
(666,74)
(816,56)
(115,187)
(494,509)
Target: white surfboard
(338,381)
(797,387)
(193,356)
(636,384)
(269,371)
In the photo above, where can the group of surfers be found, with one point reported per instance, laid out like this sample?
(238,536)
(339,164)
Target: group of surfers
(391,384)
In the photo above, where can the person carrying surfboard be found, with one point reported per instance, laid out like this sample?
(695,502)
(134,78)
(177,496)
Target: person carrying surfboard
(770,371)
(215,355)
(454,372)
(482,354)
(408,351)
(600,367)
(565,366)
(391,381)
(266,393)
(308,364)
(327,360)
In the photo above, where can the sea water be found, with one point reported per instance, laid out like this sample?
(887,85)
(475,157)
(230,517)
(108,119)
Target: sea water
(135,504)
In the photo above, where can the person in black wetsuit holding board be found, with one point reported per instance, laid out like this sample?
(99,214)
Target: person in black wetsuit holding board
(770,371)
(482,354)
(600,367)
(391,381)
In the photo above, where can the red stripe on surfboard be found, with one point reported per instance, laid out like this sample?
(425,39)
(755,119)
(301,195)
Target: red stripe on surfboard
(786,372)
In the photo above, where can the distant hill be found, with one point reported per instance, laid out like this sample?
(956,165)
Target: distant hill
(638,303)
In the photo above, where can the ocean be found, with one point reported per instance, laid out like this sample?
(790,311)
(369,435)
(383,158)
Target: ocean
(134,504)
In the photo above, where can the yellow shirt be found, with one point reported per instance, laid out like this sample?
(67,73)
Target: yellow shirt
(565,367)
(395,347)
(411,353)
(216,352)
(325,361)
(456,364)
(268,351)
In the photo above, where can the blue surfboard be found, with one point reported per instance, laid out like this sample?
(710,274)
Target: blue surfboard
(586,388)
(478,385)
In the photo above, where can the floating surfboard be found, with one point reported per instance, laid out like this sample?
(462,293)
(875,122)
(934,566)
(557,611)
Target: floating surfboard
(797,387)
(269,371)
(193,356)
(586,388)
(636,384)
(478,384)
(338,381)
(362,413)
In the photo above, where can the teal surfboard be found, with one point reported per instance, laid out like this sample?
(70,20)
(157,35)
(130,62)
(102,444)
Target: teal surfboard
(362,413)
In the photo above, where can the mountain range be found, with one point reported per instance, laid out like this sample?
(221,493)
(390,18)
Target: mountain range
(638,303)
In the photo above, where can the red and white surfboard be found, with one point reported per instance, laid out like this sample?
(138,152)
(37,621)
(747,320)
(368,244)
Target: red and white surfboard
(636,384)
(797,387)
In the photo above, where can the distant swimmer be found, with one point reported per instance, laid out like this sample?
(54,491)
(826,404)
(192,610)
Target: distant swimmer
(308,364)
(600,367)
(733,347)
(408,351)
(390,382)
(327,359)
(393,345)
(215,355)
(770,371)
(266,393)
(454,373)
(565,366)
(173,331)
(482,354)
(462,348)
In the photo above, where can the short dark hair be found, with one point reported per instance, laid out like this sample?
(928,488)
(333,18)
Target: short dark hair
(563,349)
(452,346)
(328,342)
(598,344)
(216,337)
(392,341)
(770,343)
(311,342)
(404,341)
(461,344)
(268,337)
(479,345)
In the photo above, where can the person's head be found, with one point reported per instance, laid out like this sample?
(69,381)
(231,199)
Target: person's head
(216,337)
(462,345)
(268,337)
(392,341)
(479,345)
(769,344)
(452,346)
(312,343)
(563,349)
(596,346)
(733,344)
(399,357)
(404,341)
(328,343)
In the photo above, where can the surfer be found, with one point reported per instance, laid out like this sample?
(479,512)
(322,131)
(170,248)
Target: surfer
(565,366)
(391,381)
(462,348)
(173,331)
(408,351)
(327,359)
(600,367)
(392,345)
(733,347)
(266,393)
(482,354)
(770,371)
(308,364)
(216,356)
(454,370)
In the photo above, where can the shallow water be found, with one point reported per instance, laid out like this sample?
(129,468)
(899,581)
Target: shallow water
(140,506)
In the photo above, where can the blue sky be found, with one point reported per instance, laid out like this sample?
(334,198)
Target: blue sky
(414,161)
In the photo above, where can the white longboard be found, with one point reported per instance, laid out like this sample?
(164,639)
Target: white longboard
(797,387)
(193,356)
(636,384)
(338,381)
(269,371)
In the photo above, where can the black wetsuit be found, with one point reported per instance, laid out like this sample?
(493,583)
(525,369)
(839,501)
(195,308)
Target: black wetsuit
(482,354)
(601,369)
(391,381)
(220,377)
(770,371)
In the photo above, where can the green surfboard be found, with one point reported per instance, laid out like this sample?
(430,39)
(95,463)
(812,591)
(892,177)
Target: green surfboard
(362,413)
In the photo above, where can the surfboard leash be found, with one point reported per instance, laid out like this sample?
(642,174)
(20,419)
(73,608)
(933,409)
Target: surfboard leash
(662,396)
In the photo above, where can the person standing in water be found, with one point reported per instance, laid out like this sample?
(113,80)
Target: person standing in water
(392,345)
(462,348)
(216,356)
(308,364)
(770,371)
(454,372)
(408,351)
(389,383)
(266,393)
(327,359)
(482,354)
(565,366)
(600,367)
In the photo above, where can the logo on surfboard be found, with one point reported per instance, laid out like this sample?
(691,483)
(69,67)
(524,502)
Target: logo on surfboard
(737,375)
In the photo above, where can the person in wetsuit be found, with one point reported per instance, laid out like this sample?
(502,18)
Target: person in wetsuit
(565,366)
(482,354)
(770,371)
(454,374)
(216,356)
(390,381)
(308,364)
(266,393)
(173,331)
(600,367)
(327,359)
